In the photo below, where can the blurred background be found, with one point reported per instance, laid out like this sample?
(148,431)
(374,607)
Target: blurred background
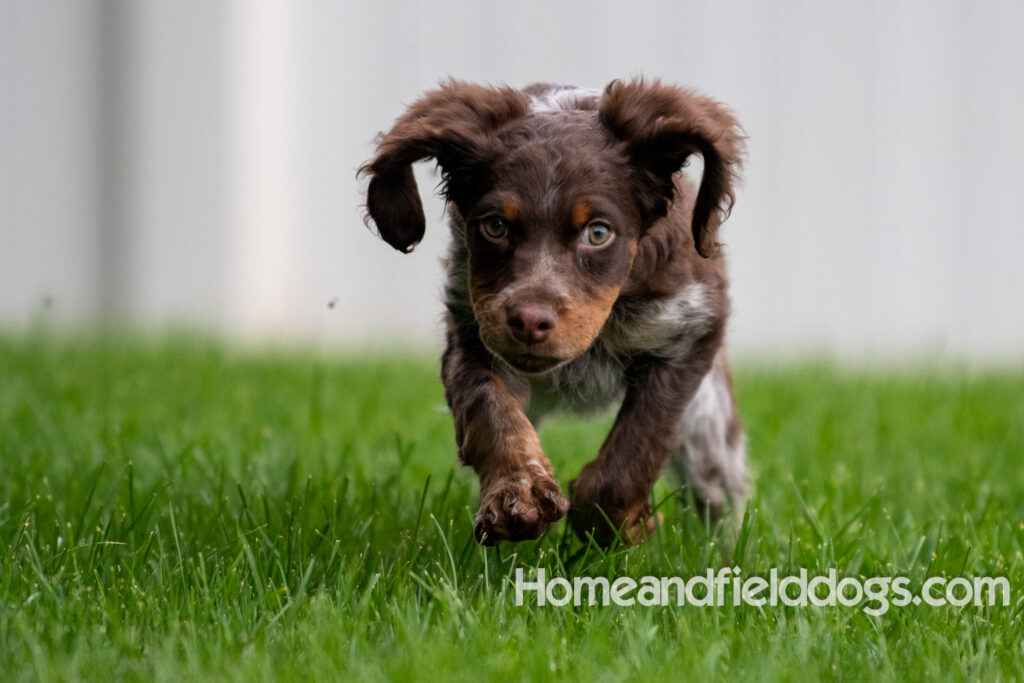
(192,163)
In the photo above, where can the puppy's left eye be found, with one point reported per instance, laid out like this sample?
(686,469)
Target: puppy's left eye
(597,234)
(493,228)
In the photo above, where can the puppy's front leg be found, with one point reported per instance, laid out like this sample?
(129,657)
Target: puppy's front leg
(519,496)
(645,433)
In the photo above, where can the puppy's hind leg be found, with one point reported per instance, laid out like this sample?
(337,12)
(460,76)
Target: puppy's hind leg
(712,458)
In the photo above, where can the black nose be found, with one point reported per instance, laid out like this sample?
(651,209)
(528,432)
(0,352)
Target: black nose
(531,324)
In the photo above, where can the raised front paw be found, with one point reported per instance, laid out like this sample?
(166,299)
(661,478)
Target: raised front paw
(517,507)
(608,507)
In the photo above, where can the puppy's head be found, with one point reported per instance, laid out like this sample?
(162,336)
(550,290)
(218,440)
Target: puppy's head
(554,198)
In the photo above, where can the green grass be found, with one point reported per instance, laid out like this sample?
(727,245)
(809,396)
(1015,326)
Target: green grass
(178,509)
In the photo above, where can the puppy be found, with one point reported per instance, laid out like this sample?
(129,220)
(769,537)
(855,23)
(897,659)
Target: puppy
(583,270)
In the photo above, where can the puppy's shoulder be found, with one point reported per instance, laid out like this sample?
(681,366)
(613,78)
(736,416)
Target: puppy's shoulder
(674,296)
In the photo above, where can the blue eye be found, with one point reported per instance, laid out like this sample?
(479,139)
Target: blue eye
(493,228)
(597,234)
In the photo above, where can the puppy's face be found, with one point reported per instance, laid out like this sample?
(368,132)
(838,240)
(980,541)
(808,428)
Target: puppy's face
(553,200)
(551,233)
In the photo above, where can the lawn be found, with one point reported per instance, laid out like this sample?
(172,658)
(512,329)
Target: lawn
(178,508)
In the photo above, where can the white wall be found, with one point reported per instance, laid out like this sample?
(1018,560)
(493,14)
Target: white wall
(169,162)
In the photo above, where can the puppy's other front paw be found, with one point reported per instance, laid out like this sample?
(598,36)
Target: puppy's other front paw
(607,509)
(518,507)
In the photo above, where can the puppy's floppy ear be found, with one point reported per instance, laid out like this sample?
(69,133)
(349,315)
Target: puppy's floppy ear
(452,125)
(661,126)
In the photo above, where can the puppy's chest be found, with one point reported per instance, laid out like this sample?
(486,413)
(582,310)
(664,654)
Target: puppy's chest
(584,385)
(665,327)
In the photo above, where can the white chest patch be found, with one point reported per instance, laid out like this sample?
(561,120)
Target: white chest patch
(586,385)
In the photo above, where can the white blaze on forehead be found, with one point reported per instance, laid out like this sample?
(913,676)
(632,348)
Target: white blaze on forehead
(557,100)
(564,99)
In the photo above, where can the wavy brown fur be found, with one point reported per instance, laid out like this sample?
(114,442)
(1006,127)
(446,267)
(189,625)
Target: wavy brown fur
(583,270)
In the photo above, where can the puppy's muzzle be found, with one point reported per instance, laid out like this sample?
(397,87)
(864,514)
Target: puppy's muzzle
(532,323)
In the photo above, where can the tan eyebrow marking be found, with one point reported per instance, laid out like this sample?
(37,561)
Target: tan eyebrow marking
(510,208)
(580,213)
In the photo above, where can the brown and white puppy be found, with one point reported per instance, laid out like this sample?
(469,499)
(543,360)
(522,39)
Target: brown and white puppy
(583,270)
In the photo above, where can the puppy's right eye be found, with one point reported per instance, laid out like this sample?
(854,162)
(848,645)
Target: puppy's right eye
(494,229)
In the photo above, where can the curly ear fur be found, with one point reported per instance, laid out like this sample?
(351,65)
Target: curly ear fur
(661,126)
(452,125)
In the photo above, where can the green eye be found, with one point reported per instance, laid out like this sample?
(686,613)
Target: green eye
(597,234)
(494,228)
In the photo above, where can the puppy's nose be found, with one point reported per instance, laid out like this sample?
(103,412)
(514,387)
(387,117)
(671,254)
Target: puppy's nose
(531,324)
